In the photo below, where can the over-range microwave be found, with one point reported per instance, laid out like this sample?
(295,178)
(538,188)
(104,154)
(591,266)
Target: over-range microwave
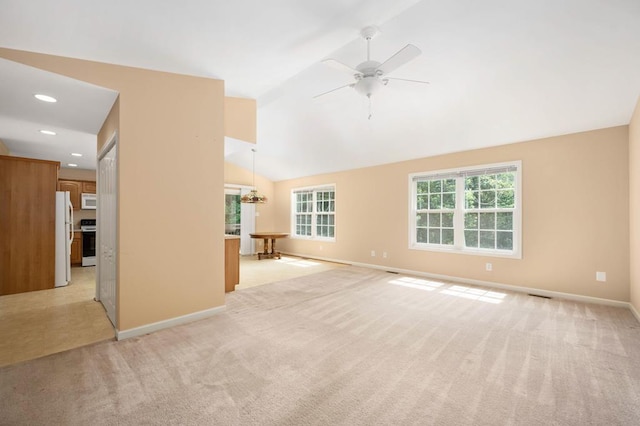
(89,201)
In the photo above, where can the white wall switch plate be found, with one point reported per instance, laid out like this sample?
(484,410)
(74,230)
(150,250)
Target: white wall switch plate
(601,276)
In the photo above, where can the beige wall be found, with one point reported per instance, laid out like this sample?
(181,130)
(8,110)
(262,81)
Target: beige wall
(265,221)
(575,215)
(3,149)
(240,119)
(170,182)
(634,206)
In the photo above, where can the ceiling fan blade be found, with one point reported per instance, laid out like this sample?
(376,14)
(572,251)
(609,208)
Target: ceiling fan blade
(333,90)
(340,66)
(400,58)
(406,79)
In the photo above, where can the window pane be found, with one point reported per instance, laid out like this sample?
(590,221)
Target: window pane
(435,201)
(423,202)
(471,199)
(449,185)
(448,201)
(487,239)
(447,220)
(331,231)
(487,199)
(434,236)
(421,219)
(447,236)
(471,221)
(506,199)
(332,206)
(504,220)
(471,183)
(487,221)
(506,180)
(487,182)
(504,240)
(471,238)
(421,235)
(435,186)
(434,220)
(423,187)
(331,219)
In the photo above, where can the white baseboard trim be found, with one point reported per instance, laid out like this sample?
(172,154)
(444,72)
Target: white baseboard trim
(491,284)
(172,322)
(634,311)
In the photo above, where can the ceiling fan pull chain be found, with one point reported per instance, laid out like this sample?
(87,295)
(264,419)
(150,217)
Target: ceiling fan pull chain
(370,113)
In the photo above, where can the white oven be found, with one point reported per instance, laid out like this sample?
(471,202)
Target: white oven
(88,228)
(89,201)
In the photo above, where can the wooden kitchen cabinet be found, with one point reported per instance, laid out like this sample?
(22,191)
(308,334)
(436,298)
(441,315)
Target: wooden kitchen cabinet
(231,263)
(89,187)
(76,249)
(75,189)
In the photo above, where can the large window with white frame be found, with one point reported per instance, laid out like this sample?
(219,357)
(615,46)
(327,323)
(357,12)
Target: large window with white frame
(313,212)
(473,210)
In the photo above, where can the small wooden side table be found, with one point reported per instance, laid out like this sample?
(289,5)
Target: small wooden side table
(269,238)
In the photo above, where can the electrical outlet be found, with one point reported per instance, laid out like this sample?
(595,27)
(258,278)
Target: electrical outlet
(489,267)
(384,254)
(320,248)
(601,276)
(373,253)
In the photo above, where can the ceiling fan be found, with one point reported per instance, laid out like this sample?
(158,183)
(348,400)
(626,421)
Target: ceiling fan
(370,76)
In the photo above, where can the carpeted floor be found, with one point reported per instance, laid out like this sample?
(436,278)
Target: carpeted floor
(350,346)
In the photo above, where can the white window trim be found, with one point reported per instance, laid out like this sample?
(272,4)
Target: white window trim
(313,237)
(458,246)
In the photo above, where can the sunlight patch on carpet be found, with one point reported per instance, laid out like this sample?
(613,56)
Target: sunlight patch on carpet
(474,293)
(418,283)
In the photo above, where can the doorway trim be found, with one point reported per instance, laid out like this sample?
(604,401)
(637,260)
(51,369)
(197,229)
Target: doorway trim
(100,215)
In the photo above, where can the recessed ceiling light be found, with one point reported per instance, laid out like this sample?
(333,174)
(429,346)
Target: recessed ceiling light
(75,154)
(72,165)
(48,132)
(45,98)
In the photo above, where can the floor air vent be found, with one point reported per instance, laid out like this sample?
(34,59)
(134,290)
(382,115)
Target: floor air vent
(391,272)
(540,296)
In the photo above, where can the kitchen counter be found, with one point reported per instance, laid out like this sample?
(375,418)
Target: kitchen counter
(231,237)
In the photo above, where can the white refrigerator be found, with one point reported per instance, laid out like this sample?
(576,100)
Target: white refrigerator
(64,238)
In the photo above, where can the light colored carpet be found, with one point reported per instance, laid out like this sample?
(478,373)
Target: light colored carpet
(350,346)
(255,272)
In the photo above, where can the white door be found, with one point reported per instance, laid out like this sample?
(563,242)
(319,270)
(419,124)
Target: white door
(106,288)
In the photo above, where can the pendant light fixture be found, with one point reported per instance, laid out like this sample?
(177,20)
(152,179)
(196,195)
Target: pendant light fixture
(253,197)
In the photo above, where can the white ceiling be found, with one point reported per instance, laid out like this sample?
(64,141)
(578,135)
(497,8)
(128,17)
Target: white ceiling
(76,118)
(501,71)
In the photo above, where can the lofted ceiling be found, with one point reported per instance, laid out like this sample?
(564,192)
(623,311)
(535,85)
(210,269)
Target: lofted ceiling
(500,71)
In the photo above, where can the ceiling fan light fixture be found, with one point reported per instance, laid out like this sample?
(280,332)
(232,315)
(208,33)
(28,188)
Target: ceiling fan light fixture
(368,85)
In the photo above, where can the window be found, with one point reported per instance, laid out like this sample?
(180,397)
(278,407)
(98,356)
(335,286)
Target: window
(232,211)
(471,210)
(313,211)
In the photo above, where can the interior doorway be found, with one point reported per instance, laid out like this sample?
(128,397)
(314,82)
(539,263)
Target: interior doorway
(106,279)
(240,218)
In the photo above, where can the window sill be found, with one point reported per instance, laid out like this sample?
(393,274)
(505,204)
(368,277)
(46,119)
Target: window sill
(477,252)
